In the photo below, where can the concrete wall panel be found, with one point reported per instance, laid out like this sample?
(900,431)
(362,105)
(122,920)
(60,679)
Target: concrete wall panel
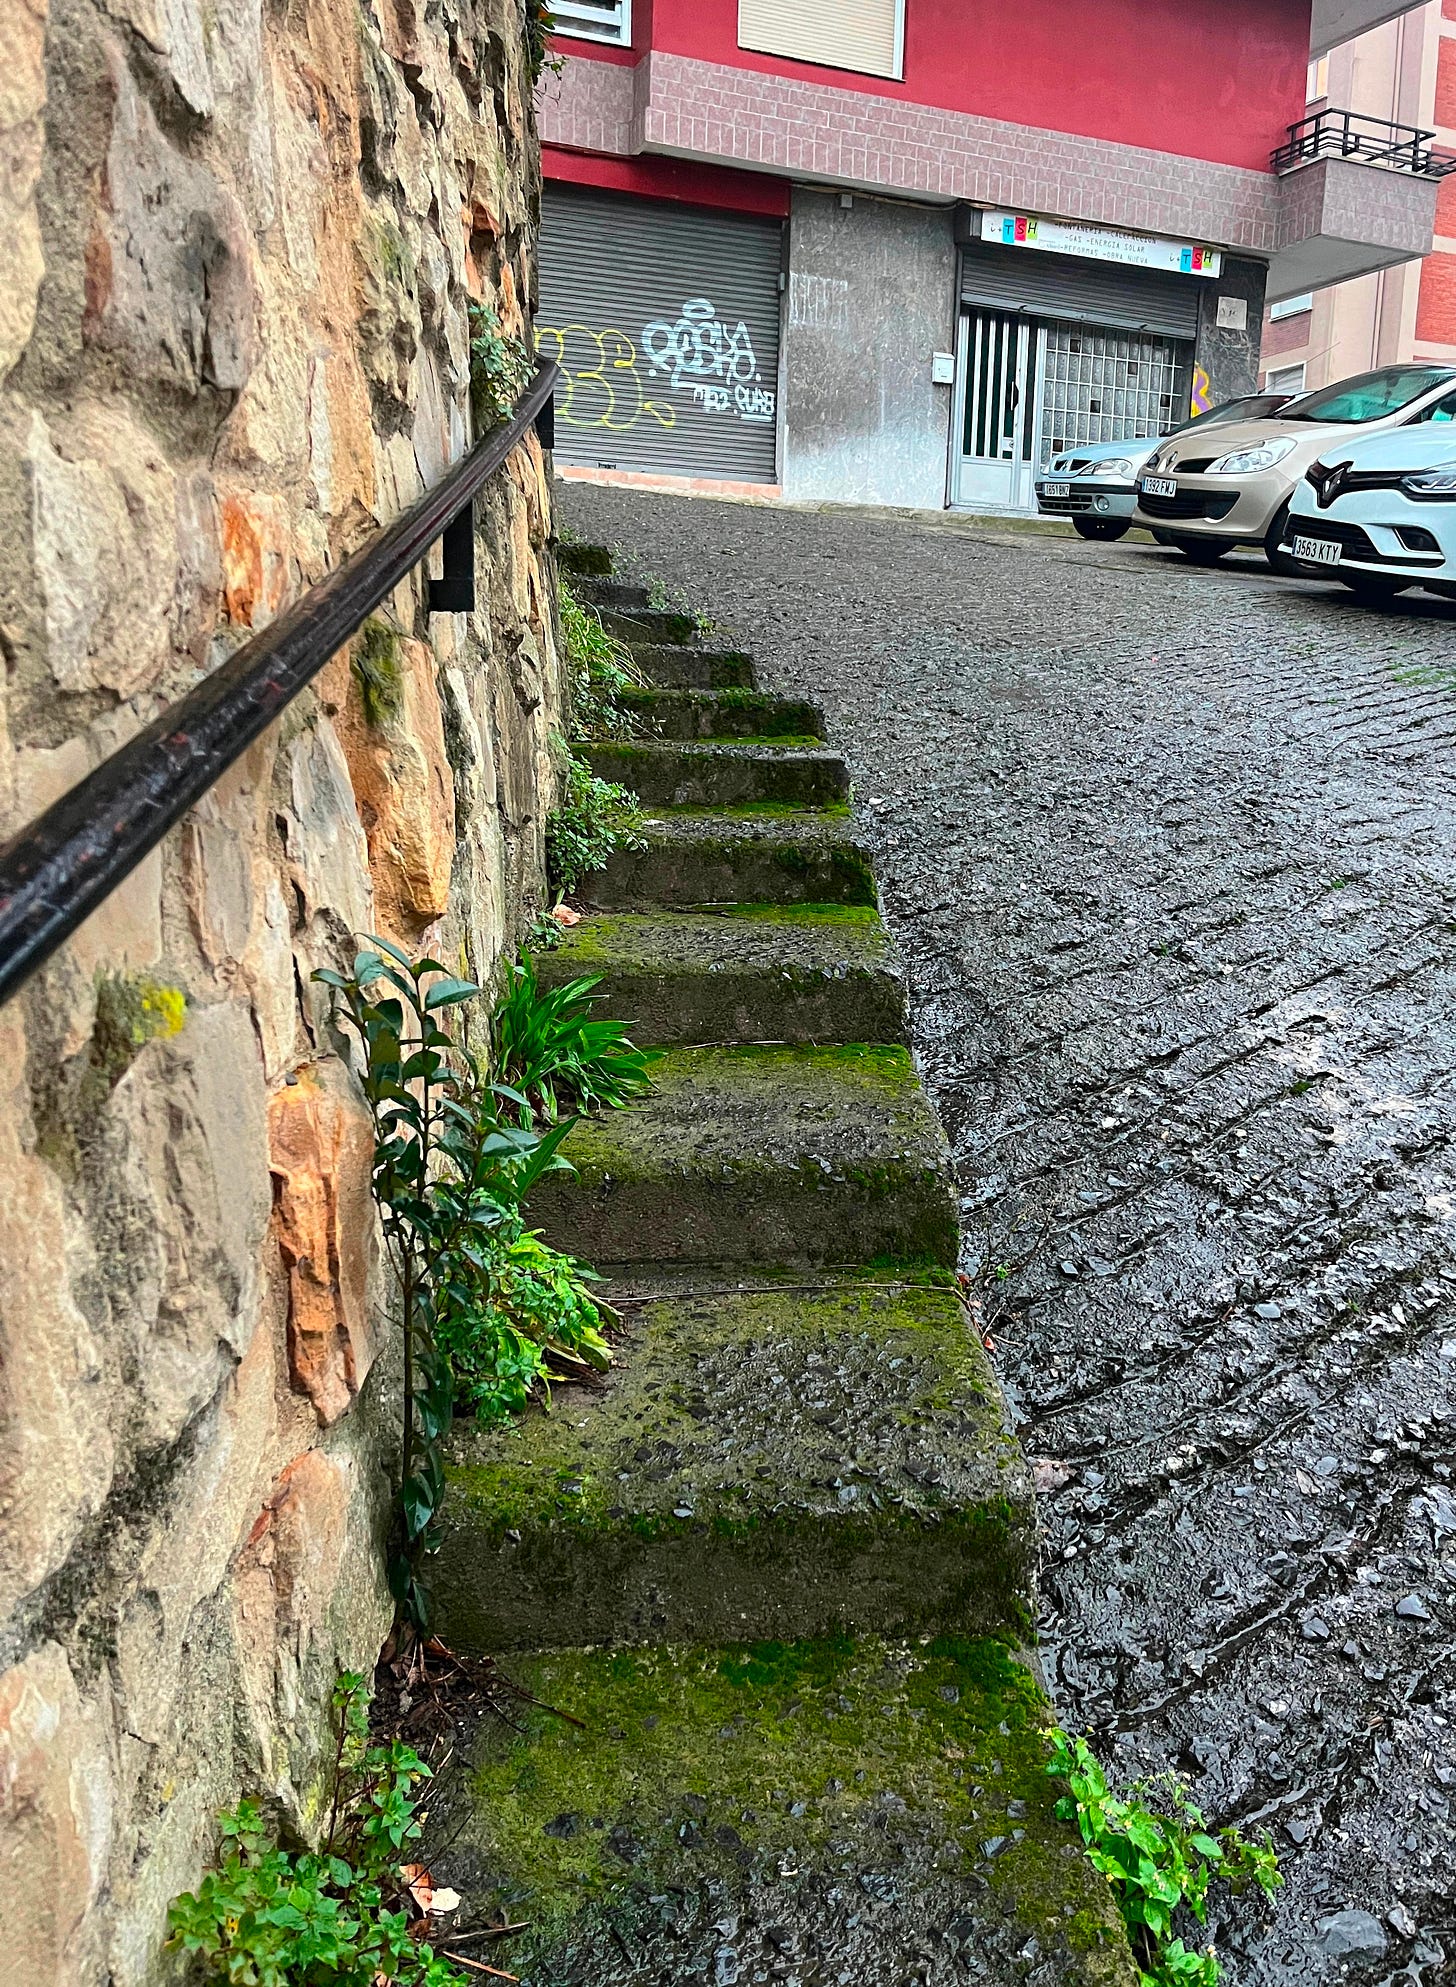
(871,297)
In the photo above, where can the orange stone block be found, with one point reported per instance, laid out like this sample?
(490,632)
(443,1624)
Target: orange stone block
(320,1149)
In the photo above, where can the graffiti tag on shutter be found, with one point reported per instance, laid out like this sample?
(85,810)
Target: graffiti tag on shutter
(603,388)
(713,357)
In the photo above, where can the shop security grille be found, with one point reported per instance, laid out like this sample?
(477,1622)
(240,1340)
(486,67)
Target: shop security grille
(1102,387)
(664,320)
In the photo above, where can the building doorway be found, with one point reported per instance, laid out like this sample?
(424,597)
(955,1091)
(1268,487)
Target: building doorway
(996,370)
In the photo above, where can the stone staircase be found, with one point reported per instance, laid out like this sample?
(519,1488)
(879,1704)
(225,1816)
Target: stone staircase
(780,1566)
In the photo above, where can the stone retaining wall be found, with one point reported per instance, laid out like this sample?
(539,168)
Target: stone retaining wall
(233,338)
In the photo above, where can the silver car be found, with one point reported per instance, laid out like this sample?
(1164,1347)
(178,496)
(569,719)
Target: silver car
(1096,485)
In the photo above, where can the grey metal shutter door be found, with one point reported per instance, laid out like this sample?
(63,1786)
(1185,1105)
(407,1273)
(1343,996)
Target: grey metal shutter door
(665,321)
(1083,292)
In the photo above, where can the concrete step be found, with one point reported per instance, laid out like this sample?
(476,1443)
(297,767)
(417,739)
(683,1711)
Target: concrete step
(722,714)
(761,973)
(650,624)
(720,773)
(762,855)
(784,1157)
(583,561)
(679,668)
(758,1464)
(620,595)
(838,1809)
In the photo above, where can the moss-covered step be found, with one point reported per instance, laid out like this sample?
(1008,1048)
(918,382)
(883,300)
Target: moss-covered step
(749,855)
(791,1156)
(693,668)
(825,1811)
(650,624)
(721,773)
(757,973)
(759,1463)
(721,714)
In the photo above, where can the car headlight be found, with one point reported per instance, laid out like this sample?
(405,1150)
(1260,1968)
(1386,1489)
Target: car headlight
(1119,467)
(1248,461)
(1431,482)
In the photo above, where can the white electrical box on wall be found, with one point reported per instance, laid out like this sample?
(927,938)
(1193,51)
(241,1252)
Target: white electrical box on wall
(942,368)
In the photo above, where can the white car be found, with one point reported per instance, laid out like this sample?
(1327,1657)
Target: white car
(1379,514)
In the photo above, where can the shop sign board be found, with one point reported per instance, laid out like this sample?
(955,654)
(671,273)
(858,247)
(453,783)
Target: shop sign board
(1100,244)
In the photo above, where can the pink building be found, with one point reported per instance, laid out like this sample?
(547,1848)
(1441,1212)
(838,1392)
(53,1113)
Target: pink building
(900,251)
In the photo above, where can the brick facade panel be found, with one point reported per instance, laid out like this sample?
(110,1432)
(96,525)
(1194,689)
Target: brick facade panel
(1445,111)
(1436,311)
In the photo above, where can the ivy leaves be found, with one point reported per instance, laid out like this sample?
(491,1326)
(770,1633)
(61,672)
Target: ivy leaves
(1157,1863)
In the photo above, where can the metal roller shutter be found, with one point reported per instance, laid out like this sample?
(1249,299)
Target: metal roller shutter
(665,321)
(1082,292)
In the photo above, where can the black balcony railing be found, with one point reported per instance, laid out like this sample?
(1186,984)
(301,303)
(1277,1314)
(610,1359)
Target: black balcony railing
(1373,141)
(54,873)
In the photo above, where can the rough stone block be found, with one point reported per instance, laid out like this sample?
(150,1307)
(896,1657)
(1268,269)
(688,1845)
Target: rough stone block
(320,1151)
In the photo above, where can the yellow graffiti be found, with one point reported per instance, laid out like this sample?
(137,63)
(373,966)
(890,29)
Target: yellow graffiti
(602,387)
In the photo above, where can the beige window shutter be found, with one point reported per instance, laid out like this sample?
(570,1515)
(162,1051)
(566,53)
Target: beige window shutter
(845,34)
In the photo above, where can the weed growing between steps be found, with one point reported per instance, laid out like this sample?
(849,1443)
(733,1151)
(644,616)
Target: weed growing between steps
(485,1307)
(590,822)
(342,1914)
(600,672)
(1158,1862)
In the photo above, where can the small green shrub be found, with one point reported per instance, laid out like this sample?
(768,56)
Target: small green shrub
(500,367)
(600,668)
(451,1164)
(547,1046)
(337,1916)
(591,821)
(1157,1863)
(520,1304)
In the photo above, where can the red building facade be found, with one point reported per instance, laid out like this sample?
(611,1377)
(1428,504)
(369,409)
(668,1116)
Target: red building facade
(901,250)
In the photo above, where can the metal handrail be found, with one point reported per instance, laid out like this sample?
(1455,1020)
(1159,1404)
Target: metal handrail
(55,872)
(1374,141)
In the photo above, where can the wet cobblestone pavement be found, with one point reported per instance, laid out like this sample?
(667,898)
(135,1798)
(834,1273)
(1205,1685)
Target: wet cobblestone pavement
(1170,857)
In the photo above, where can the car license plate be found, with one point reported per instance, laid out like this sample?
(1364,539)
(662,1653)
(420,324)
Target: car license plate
(1159,486)
(1057,490)
(1319,551)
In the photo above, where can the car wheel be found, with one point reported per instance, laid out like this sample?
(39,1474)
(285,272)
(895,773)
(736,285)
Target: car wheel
(1280,562)
(1104,528)
(1202,551)
(1372,589)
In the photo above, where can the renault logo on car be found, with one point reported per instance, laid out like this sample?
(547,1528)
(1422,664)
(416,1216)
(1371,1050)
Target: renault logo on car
(1328,483)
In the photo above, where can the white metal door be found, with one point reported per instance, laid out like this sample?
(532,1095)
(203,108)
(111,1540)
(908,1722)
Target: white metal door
(999,369)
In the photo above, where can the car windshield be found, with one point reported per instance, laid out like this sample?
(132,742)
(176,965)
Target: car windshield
(1371,395)
(1248,407)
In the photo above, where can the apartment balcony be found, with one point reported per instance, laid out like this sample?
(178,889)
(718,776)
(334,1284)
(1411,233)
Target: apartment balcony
(1355,194)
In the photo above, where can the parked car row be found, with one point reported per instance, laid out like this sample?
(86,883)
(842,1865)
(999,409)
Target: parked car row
(1355,482)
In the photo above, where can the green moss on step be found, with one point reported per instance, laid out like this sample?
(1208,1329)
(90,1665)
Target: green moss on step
(760,1770)
(793,1460)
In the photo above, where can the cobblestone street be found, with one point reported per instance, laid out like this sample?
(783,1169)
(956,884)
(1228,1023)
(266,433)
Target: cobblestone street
(1170,857)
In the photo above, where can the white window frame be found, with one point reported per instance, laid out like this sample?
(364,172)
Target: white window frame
(568,17)
(1274,382)
(896,75)
(1291,307)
